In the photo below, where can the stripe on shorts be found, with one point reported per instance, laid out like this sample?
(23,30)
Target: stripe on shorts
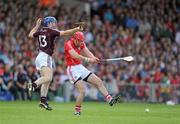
(70,72)
(48,61)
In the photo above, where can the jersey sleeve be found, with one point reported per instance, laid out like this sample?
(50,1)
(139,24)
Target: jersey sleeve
(35,34)
(68,46)
(55,33)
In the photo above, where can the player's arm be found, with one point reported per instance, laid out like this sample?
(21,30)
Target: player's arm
(71,31)
(38,23)
(74,54)
(86,52)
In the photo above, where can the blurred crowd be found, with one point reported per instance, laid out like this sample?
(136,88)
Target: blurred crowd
(149,30)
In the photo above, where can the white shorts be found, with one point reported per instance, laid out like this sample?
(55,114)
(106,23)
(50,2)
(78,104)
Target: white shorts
(43,59)
(76,72)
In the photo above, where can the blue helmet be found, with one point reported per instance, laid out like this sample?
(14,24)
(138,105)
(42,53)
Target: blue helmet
(48,19)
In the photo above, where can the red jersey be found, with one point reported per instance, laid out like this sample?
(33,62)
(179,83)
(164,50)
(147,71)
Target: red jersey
(69,45)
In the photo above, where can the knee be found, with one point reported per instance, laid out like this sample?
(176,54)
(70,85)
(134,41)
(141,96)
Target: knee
(49,79)
(99,83)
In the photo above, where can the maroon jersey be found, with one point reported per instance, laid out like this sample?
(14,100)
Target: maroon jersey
(46,37)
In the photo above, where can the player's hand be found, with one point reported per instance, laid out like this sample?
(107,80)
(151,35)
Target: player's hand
(81,28)
(91,60)
(38,22)
(96,60)
(81,25)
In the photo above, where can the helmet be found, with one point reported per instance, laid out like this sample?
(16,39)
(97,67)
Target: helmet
(79,36)
(48,20)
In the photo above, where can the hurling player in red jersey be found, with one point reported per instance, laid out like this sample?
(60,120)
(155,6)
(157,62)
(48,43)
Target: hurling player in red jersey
(44,62)
(75,52)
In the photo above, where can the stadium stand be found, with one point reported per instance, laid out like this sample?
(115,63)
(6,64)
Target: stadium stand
(149,30)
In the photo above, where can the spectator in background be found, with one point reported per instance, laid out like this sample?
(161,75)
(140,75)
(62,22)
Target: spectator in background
(1,67)
(32,74)
(4,92)
(48,3)
(132,22)
(2,27)
(21,79)
(154,41)
(111,85)
(8,81)
(144,26)
(108,16)
(177,37)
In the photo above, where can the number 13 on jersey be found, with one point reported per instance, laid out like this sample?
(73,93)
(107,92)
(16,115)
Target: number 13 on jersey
(42,40)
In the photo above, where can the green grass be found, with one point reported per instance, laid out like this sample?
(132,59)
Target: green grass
(92,113)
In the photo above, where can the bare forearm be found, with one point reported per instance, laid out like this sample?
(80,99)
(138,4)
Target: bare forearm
(33,31)
(89,54)
(86,52)
(69,31)
(38,23)
(78,56)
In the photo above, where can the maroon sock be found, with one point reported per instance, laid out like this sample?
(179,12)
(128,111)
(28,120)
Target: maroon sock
(78,108)
(43,99)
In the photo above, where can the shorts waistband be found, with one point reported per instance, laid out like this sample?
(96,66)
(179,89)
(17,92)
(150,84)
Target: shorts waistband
(40,51)
(73,65)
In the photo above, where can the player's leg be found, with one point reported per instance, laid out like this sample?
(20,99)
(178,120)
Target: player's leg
(74,73)
(97,82)
(80,88)
(46,76)
(43,100)
(43,64)
(48,73)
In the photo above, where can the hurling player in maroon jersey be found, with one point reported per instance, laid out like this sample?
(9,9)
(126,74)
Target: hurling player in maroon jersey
(46,35)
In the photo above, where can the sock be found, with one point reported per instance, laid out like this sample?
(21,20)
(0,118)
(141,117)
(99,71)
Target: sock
(78,108)
(34,85)
(43,99)
(108,98)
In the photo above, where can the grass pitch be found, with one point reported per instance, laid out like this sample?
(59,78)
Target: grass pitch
(92,113)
